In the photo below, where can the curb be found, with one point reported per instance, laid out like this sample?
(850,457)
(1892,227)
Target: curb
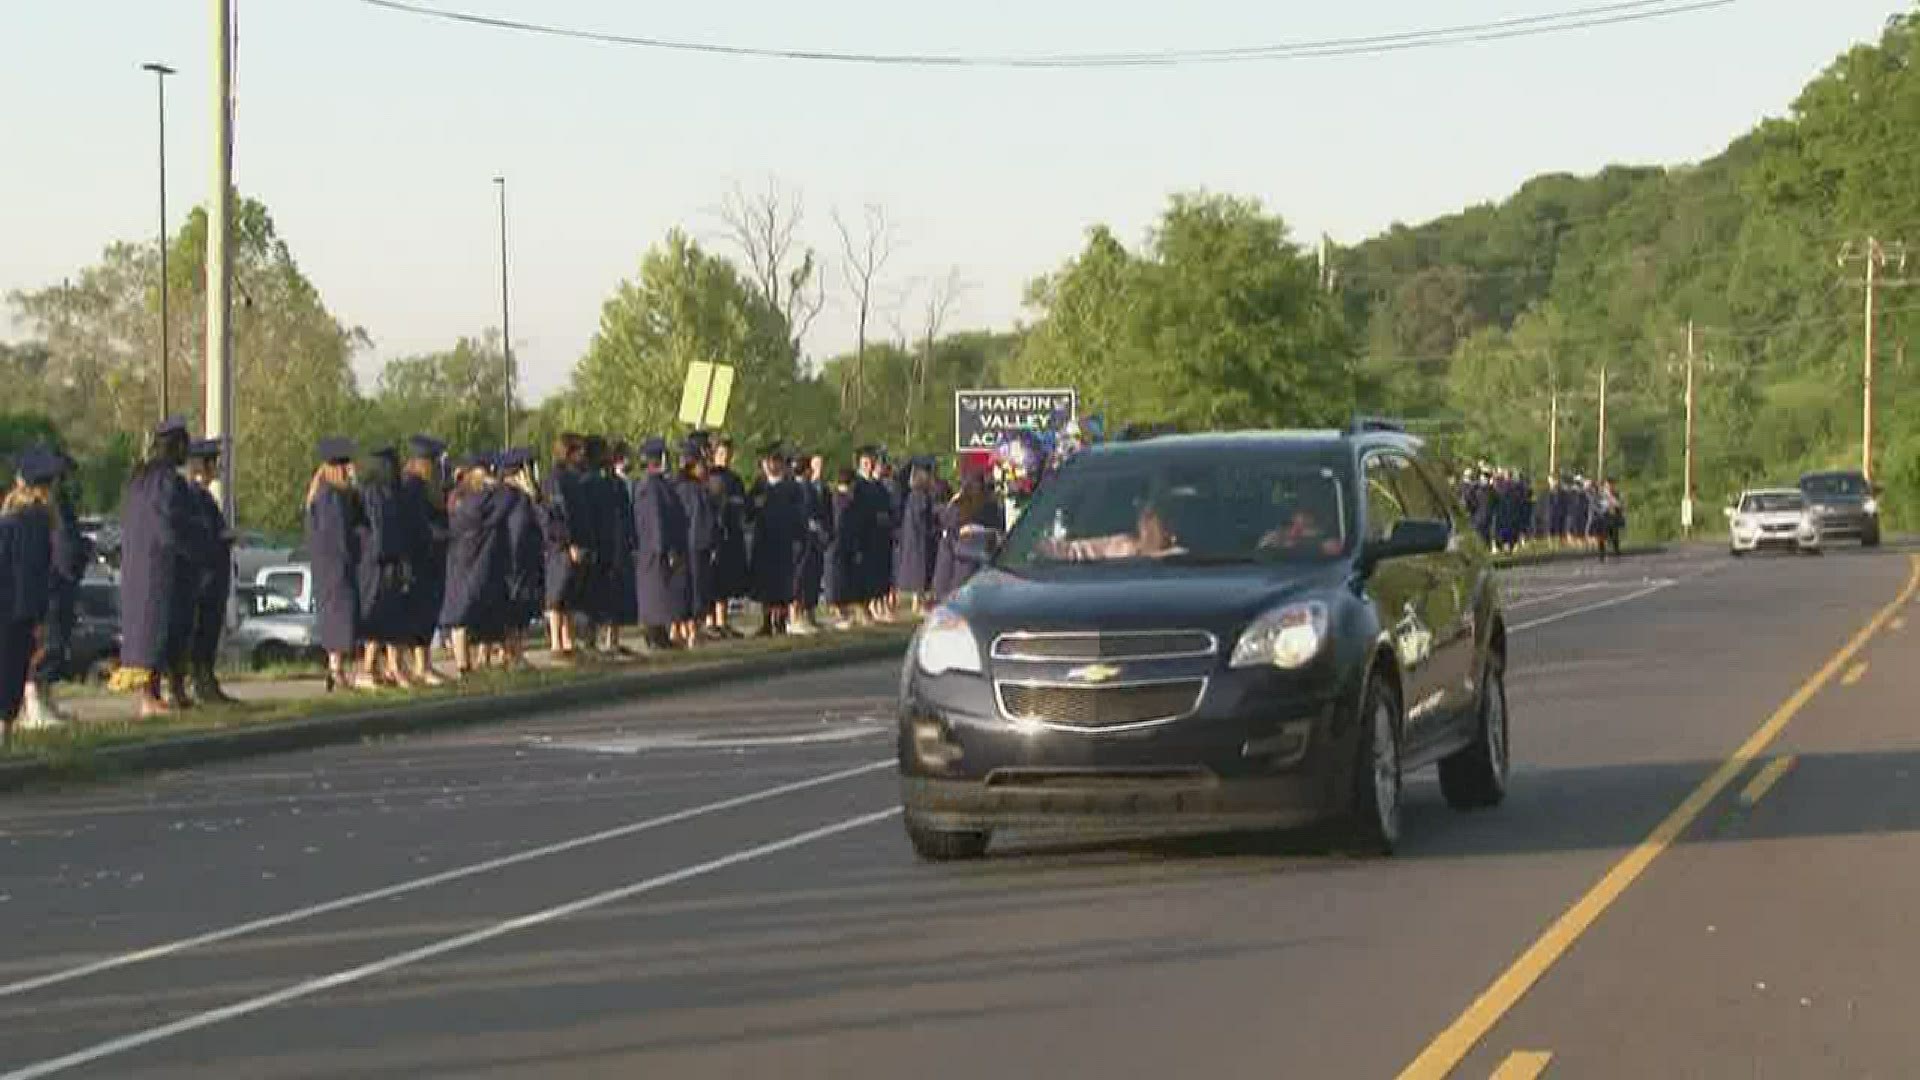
(303,734)
(1546,558)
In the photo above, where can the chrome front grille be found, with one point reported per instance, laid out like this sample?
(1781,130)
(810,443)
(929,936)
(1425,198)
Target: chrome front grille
(1082,646)
(1100,708)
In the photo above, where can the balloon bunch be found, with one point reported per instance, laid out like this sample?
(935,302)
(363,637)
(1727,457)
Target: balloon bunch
(1018,463)
(1077,436)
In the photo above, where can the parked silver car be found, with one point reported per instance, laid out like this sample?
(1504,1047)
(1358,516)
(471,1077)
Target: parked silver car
(271,629)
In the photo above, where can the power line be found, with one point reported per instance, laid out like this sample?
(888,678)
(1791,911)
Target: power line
(1497,30)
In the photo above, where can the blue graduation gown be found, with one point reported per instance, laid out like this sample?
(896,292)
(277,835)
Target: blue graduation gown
(810,570)
(617,584)
(660,543)
(950,570)
(214,575)
(703,539)
(426,560)
(874,562)
(334,521)
(917,544)
(386,547)
(154,519)
(846,542)
(477,564)
(565,582)
(731,579)
(526,560)
(779,524)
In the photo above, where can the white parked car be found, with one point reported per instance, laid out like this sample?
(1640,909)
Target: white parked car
(271,629)
(1772,517)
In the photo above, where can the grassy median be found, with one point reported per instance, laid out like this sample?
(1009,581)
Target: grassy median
(71,749)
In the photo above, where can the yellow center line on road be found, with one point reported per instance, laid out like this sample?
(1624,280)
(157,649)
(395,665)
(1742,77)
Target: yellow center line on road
(1854,674)
(1522,1065)
(1899,623)
(1451,1046)
(1764,780)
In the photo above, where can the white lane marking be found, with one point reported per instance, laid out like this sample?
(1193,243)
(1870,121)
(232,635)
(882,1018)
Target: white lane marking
(1555,594)
(214,937)
(640,744)
(1582,610)
(353,975)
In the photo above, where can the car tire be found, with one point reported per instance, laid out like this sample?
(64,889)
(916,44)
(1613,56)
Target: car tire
(1736,552)
(271,653)
(940,845)
(1372,825)
(1870,540)
(1475,777)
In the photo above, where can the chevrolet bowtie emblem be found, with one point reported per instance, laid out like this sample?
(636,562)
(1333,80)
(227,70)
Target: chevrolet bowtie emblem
(1093,673)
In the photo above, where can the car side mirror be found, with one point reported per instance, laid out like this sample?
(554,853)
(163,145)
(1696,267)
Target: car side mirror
(977,544)
(1408,538)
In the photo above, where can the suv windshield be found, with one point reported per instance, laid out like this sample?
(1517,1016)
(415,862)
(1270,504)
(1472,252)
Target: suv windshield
(1185,509)
(1835,484)
(1772,504)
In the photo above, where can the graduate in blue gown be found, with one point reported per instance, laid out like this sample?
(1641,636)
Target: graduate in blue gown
(423,505)
(334,524)
(155,526)
(72,552)
(776,515)
(386,548)
(660,548)
(616,496)
(526,554)
(702,512)
(214,575)
(569,542)
(731,580)
(917,539)
(28,520)
(476,608)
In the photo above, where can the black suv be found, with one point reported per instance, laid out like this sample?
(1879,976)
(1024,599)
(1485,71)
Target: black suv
(1843,506)
(1233,631)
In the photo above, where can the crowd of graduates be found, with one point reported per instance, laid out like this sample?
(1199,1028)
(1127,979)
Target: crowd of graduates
(1573,511)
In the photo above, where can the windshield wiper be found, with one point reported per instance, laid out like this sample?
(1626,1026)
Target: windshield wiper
(1191,559)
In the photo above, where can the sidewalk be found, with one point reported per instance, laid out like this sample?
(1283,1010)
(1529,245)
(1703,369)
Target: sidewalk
(282,714)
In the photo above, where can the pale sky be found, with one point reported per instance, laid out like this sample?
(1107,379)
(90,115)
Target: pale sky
(373,136)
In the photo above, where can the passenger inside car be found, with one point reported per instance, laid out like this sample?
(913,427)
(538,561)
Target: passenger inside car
(1153,537)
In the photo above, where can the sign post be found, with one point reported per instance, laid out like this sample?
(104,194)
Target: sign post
(704,399)
(981,418)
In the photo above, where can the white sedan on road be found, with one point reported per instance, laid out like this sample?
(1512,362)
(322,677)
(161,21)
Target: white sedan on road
(1772,517)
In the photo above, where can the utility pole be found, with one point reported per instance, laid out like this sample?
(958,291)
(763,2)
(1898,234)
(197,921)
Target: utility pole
(1553,434)
(1875,256)
(1326,263)
(1686,490)
(506,327)
(1600,455)
(219,398)
(161,71)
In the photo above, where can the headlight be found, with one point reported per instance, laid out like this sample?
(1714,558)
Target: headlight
(1871,506)
(1288,637)
(946,644)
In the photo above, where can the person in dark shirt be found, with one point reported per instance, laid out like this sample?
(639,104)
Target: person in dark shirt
(777,516)
(29,519)
(660,534)
(476,608)
(569,543)
(334,522)
(918,537)
(423,505)
(214,589)
(386,546)
(526,558)
(731,580)
(702,513)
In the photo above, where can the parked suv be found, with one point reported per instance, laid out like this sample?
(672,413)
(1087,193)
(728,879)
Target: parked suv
(1843,506)
(1258,630)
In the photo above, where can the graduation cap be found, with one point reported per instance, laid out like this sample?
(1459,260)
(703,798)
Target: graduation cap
(206,448)
(692,448)
(515,459)
(336,451)
(172,425)
(868,450)
(427,447)
(475,461)
(387,453)
(38,466)
(699,437)
(654,449)
(772,450)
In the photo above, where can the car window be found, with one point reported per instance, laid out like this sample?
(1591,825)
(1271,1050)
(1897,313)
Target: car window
(1771,503)
(1835,484)
(287,585)
(1385,508)
(1417,497)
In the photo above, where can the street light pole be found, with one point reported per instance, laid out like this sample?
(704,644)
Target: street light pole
(160,72)
(219,359)
(506,327)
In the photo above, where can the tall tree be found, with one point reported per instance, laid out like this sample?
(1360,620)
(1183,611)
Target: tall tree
(868,249)
(685,305)
(764,228)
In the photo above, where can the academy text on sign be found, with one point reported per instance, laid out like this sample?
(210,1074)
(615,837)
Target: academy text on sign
(981,418)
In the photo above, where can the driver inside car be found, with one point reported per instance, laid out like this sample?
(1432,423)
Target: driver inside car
(1153,537)
(1305,530)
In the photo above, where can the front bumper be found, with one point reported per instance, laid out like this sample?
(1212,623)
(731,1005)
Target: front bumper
(1262,750)
(1798,540)
(1848,526)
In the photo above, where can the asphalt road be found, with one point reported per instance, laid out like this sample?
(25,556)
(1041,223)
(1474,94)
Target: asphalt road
(716,885)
